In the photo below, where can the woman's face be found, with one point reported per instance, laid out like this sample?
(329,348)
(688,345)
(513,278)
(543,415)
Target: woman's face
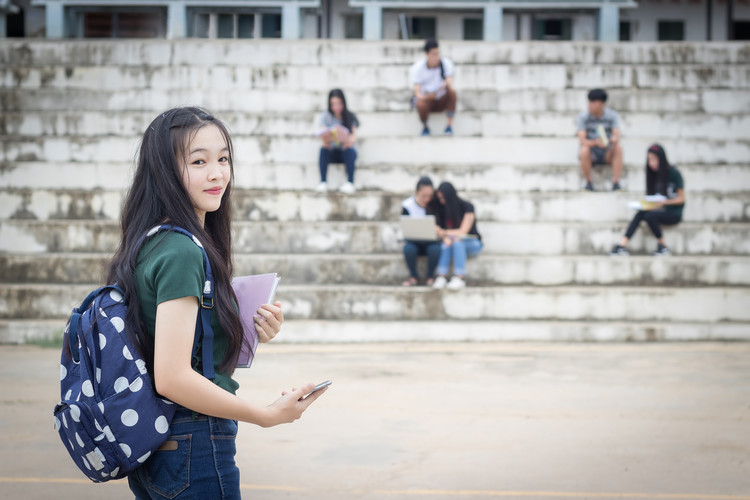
(441,198)
(653,161)
(337,106)
(424,195)
(206,172)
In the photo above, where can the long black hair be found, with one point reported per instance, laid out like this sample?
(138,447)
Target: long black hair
(347,117)
(656,181)
(158,195)
(453,208)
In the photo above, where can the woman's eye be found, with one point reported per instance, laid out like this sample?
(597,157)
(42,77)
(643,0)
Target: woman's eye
(223,159)
(198,162)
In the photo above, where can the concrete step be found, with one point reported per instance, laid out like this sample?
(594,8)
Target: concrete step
(284,53)
(414,149)
(385,124)
(389,269)
(363,237)
(154,101)
(365,75)
(338,331)
(99,178)
(372,303)
(574,206)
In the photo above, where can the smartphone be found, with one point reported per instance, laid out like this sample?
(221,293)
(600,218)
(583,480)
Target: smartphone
(317,388)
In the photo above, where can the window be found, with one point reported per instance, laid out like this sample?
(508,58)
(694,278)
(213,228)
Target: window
(271,26)
(741,30)
(625,33)
(353,26)
(671,31)
(222,25)
(14,25)
(552,29)
(473,29)
(128,24)
(423,27)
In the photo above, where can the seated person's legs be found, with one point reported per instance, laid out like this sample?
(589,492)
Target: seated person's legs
(613,157)
(433,254)
(411,251)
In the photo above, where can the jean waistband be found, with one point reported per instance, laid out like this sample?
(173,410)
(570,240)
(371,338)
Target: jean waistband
(182,412)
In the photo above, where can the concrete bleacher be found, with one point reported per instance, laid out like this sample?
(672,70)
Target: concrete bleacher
(72,114)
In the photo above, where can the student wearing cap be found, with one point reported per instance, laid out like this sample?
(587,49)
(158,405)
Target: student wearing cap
(599,135)
(432,78)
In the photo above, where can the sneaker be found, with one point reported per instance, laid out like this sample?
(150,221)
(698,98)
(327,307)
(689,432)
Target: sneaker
(322,187)
(456,283)
(662,250)
(616,186)
(619,250)
(348,188)
(440,283)
(589,186)
(425,132)
(448,131)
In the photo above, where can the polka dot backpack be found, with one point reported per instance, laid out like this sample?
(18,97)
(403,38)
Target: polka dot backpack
(110,419)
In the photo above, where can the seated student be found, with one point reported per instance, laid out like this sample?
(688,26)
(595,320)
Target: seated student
(432,78)
(337,129)
(661,178)
(458,229)
(595,149)
(419,205)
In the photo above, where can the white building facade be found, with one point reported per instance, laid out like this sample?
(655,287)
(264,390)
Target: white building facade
(491,20)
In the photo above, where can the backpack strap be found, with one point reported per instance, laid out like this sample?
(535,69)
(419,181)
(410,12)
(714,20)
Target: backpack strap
(442,70)
(203,329)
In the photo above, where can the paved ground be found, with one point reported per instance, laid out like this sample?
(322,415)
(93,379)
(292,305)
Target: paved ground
(444,421)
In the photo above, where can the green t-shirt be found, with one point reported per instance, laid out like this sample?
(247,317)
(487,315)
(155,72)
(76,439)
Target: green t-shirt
(674,182)
(170,267)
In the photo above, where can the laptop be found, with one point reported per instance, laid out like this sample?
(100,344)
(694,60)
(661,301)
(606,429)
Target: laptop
(419,228)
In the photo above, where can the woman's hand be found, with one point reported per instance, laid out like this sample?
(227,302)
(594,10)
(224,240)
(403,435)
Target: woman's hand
(289,407)
(447,241)
(268,321)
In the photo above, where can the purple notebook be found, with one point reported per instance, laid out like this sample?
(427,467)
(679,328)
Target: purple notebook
(252,292)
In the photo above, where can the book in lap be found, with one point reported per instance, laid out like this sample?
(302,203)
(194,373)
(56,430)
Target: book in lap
(252,292)
(419,228)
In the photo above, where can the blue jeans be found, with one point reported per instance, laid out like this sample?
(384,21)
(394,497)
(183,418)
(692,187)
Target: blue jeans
(413,249)
(196,462)
(346,156)
(458,252)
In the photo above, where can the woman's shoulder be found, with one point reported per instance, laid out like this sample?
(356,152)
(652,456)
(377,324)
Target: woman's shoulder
(172,245)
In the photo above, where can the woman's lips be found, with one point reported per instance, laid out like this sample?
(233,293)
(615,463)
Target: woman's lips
(216,190)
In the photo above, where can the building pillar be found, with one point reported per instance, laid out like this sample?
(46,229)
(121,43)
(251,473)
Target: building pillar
(372,20)
(609,23)
(493,23)
(176,20)
(54,18)
(290,21)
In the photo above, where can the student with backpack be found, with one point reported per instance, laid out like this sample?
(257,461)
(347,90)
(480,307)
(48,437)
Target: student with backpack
(184,177)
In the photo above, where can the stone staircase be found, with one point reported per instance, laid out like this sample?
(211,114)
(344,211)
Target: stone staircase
(72,114)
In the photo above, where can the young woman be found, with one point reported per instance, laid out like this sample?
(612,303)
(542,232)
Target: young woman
(337,129)
(664,179)
(184,177)
(457,226)
(419,205)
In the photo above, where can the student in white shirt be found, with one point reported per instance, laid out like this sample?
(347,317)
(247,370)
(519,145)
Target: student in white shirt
(432,78)
(420,205)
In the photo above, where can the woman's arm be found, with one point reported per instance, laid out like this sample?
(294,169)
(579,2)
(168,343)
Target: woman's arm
(175,378)
(677,200)
(352,137)
(465,226)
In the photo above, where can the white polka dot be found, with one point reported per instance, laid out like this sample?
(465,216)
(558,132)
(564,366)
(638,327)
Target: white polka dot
(129,418)
(144,457)
(79,440)
(99,454)
(63,372)
(166,401)
(141,366)
(102,313)
(75,413)
(57,424)
(118,323)
(126,353)
(136,385)
(153,231)
(68,394)
(114,472)
(78,398)
(115,295)
(101,407)
(121,384)
(161,424)
(108,432)
(104,474)
(97,425)
(87,388)
(126,449)
(102,341)
(86,463)
(65,421)
(98,375)
(72,448)
(197,242)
